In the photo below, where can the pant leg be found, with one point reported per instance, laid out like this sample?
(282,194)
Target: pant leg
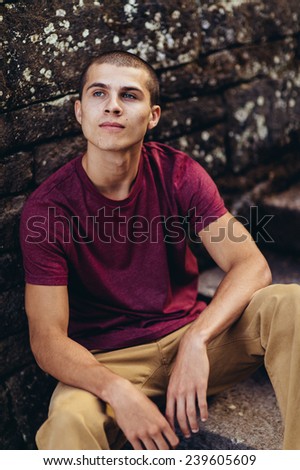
(269,332)
(279,312)
(79,420)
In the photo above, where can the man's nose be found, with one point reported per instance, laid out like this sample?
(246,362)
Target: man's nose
(113,105)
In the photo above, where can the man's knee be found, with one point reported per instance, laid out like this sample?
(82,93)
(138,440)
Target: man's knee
(279,293)
(67,429)
(60,431)
(278,301)
(280,290)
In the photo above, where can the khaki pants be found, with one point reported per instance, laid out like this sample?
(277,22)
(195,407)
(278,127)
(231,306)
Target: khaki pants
(267,332)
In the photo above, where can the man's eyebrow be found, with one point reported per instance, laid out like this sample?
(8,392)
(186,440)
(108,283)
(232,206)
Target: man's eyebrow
(123,88)
(132,88)
(97,85)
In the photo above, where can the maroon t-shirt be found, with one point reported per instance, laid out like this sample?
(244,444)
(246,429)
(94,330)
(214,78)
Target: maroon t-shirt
(130,274)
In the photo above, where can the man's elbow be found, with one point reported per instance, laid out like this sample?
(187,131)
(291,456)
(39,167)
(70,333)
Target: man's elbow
(37,352)
(41,349)
(264,274)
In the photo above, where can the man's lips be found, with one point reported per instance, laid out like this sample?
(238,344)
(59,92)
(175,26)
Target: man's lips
(112,125)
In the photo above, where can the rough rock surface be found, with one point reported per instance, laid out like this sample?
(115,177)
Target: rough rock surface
(285,223)
(45,53)
(230,79)
(264,115)
(228,23)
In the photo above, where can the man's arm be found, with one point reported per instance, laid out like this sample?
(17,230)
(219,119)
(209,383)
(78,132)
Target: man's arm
(233,249)
(48,314)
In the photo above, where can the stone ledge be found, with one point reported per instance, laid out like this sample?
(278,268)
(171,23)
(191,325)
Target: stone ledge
(285,269)
(284,225)
(244,417)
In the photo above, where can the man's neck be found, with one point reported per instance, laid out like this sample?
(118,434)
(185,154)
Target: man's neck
(113,173)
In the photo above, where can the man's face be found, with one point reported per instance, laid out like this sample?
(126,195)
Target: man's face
(115,110)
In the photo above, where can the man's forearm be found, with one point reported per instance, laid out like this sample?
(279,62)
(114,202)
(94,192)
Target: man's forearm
(72,364)
(232,297)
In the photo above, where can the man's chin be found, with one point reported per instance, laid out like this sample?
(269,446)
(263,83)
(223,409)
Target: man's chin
(118,146)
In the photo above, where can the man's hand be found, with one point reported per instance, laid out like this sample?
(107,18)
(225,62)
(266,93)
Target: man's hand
(186,396)
(140,419)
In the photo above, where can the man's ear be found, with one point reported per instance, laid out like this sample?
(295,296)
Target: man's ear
(77,109)
(154,117)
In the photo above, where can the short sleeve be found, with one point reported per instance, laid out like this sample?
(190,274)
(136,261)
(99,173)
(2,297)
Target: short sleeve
(43,247)
(198,195)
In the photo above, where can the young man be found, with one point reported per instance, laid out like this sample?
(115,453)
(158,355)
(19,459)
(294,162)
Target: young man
(111,284)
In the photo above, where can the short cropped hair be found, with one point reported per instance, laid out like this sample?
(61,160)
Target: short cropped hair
(124,59)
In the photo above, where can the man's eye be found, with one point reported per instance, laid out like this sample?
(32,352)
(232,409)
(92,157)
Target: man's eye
(98,93)
(129,96)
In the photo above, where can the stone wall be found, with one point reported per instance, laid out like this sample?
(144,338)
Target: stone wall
(230,77)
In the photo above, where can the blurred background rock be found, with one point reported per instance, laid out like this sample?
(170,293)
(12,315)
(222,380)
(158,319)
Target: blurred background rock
(230,78)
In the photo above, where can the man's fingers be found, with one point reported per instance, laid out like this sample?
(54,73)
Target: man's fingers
(149,444)
(202,404)
(170,412)
(161,443)
(182,416)
(187,413)
(165,439)
(172,438)
(162,440)
(136,444)
(191,411)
